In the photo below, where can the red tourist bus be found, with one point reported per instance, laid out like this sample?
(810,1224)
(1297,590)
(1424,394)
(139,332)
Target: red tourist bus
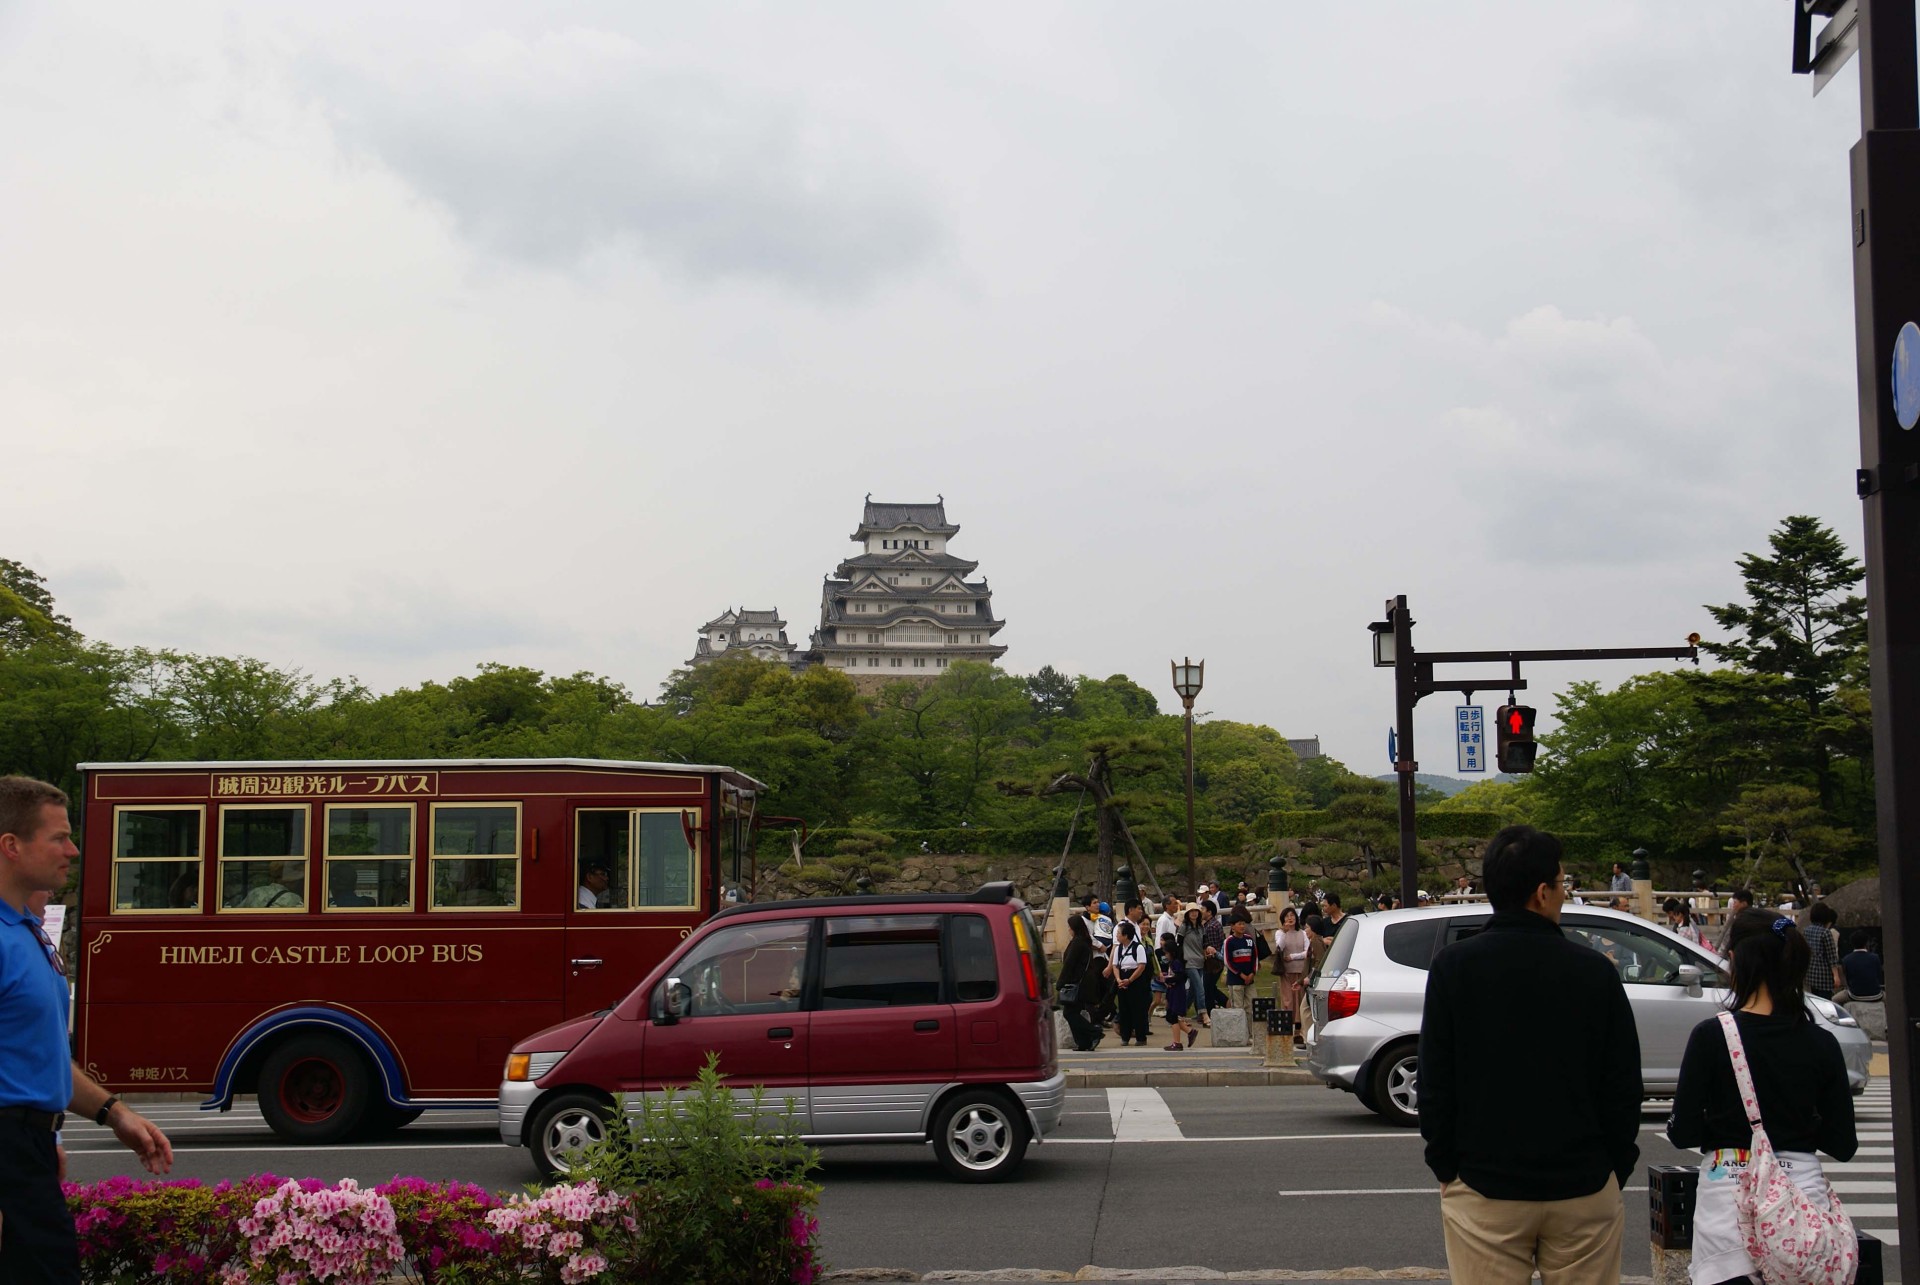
(357,942)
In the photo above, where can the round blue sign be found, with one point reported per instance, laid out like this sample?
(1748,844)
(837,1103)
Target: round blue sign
(1906,375)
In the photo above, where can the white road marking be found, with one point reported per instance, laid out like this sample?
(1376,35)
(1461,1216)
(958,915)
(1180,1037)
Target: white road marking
(1873,1211)
(1142,1115)
(1267,1137)
(1433,1191)
(267,1146)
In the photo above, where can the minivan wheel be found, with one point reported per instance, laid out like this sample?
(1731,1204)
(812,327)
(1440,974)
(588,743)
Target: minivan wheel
(980,1137)
(1393,1090)
(563,1128)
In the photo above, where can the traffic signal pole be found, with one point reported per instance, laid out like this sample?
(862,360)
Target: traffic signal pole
(1885,166)
(1414,678)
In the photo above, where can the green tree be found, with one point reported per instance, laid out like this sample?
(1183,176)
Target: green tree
(1776,821)
(1363,814)
(27,613)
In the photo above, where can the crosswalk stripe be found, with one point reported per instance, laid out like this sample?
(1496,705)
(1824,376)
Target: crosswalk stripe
(1863,1188)
(1142,1115)
(1857,1212)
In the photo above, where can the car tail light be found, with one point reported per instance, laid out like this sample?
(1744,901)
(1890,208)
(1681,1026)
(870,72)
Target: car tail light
(1343,999)
(1024,940)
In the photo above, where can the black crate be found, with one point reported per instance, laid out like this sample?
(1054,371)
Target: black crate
(1279,1020)
(1872,1270)
(1261,1007)
(1670,1196)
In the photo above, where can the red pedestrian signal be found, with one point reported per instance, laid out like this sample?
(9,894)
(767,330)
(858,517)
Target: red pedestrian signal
(1514,746)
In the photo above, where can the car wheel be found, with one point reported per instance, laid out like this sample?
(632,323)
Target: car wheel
(563,1128)
(314,1089)
(980,1136)
(1393,1090)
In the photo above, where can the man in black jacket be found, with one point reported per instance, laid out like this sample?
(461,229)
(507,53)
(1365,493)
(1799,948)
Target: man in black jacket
(1529,1085)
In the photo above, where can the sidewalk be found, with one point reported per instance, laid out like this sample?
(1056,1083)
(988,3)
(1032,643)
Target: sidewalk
(1113,1066)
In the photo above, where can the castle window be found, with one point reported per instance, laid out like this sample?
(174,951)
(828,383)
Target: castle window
(896,662)
(919,663)
(873,662)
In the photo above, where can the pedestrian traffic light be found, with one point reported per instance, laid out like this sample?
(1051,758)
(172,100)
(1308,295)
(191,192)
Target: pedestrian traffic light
(1513,738)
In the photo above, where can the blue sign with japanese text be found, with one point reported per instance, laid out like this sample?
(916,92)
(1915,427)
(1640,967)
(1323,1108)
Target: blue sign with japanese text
(1470,726)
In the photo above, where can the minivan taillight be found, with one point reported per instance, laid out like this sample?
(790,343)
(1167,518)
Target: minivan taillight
(1024,941)
(1343,999)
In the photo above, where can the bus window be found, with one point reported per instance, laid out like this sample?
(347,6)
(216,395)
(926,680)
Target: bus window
(648,862)
(663,863)
(476,856)
(603,841)
(369,856)
(156,858)
(263,857)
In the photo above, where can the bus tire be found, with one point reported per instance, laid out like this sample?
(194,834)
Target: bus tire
(315,1088)
(562,1128)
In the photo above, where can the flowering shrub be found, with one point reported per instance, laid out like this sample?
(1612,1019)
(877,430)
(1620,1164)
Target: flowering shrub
(271,1231)
(686,1191)
(337,1233)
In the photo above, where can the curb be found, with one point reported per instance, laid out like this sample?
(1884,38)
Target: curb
(1198,1078)
(1113,1275)
(1142,1275)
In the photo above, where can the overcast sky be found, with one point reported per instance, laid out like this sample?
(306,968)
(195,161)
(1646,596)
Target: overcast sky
(388,339)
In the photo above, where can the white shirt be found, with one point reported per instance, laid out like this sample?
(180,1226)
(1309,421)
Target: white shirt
(1165,924)
(1128,955)
(589,899)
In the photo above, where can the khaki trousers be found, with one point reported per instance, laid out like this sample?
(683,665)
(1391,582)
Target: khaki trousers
(1500,1242)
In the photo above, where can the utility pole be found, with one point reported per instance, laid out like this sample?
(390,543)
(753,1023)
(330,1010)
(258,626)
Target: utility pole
(1885,209)
(1413,678)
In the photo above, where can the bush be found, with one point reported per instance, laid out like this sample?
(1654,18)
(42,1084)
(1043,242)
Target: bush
(719,1195)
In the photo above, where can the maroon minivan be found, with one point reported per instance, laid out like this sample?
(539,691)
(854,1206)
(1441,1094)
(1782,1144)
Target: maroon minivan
(884,1019)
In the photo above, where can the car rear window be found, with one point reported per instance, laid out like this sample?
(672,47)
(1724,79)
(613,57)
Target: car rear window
(1411,943)
(881,961)
(1341,952)
(970,942)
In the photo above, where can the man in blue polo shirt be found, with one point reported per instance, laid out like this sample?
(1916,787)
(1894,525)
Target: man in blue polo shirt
(38,1081)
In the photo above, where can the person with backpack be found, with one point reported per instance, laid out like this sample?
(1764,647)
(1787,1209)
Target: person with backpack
(1193,956)
(1761,1089)
(1132,979)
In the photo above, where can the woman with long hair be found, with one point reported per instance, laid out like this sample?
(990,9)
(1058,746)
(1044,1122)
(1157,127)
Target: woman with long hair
(1799,1079)
(1680,919)
(1291,946)
(1084,966)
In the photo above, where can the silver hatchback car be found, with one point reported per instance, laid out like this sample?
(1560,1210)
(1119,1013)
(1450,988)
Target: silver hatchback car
(1368,994)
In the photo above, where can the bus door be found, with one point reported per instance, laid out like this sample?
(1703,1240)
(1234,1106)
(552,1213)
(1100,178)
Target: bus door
(635,896)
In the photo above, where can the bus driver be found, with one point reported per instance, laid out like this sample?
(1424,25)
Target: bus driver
(594,882)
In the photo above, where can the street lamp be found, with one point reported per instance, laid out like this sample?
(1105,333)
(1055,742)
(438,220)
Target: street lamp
(1382,644)
(1187,678)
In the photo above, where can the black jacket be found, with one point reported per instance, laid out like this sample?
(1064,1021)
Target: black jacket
(1799,1076)
(1529,1065)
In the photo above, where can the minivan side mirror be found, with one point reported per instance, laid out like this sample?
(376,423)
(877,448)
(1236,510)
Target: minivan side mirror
(675,1002)
(1690,977)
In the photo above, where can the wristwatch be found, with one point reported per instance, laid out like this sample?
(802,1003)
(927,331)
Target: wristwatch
(106,1109)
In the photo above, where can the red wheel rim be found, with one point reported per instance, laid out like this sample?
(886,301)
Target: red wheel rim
(311,1089)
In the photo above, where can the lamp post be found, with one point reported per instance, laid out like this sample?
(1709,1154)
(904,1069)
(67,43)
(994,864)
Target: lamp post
(1187,677)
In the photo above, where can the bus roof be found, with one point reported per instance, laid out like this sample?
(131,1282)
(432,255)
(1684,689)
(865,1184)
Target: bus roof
(736,778)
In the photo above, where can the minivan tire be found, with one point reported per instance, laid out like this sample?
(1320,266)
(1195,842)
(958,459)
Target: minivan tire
(980,1136)
(1393,1086)
(565,1125)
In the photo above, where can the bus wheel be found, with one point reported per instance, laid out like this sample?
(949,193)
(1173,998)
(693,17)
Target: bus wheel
(563,1129)
(314,1089)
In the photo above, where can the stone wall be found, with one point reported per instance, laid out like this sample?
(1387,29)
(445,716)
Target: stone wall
(1331,865)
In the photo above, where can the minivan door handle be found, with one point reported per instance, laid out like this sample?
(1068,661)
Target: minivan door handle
(927,1024)
(780,1033)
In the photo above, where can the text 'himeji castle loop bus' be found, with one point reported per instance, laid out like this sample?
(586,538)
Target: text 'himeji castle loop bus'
(357,942)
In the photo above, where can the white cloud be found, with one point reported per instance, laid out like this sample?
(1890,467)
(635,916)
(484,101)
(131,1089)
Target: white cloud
(569,145)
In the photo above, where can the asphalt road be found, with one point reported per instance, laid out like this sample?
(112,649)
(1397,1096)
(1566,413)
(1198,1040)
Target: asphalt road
(1228,1178)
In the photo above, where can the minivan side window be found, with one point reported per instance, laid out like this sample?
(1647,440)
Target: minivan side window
(880,961)
(970,941)
(751,968)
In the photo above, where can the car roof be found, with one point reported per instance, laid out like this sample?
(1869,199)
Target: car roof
(987,894)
